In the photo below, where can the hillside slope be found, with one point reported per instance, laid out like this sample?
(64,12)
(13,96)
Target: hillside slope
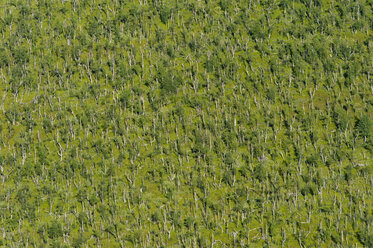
(186,123)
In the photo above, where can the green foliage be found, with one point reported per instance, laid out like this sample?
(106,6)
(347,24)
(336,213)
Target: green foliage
(364,126)
(4,58)
(165,14)
(186,123)
(55,230)
(169,80)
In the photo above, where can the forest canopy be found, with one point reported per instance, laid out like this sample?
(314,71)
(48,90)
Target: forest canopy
(186,123)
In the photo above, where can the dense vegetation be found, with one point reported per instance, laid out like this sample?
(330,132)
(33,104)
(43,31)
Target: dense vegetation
(186,123)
